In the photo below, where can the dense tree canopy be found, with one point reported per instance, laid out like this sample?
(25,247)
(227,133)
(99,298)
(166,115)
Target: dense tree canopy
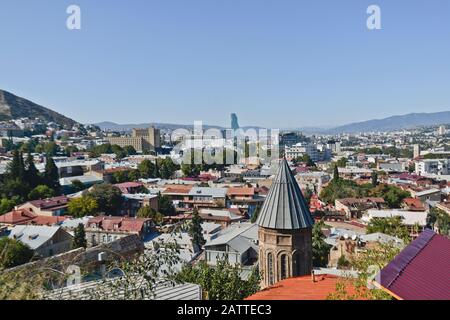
(83,206)
(222,282)
(13,253)
(320,248)
(108,197)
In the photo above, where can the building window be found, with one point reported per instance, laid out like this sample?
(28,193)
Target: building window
(270,269)
(284,266)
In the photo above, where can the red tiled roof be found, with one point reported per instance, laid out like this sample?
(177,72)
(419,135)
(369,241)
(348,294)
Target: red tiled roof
(47,221)
(302,288)
(123,224)
(127,187)
(241,191)
(414,204)
(17,217)
(421,271)
(181,189)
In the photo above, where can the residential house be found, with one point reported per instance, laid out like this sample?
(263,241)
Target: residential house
(237,243)
(134,201)
(245,199)
(45,241)
(224,217)
(203,197)
(102,229)
(355,207)
(413,204)
(26,217)
(426,194)
(56,206)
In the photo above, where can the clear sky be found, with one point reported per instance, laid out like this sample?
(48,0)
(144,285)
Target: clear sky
(276,63)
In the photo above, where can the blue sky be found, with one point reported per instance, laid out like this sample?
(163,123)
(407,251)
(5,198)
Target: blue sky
(276,63)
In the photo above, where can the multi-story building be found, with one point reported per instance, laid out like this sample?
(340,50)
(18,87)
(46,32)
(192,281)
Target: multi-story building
(102,229)
(439,167)
(141,140)
(317,152)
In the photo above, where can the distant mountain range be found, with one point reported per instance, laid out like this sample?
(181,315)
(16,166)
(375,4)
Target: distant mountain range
(112,126)
(14,107)
(408,121)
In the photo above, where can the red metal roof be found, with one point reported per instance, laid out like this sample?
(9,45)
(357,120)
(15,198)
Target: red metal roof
(51,203)
(421,271)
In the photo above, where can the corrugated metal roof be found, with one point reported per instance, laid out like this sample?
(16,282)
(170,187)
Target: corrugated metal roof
(163,291)
(285,207)
(33,236)
(421,271)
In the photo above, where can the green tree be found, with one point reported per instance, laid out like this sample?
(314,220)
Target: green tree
(147,169)
(306,159)
(374,178)
(130,150)
(41,192)
(320,249)
(32,174)
(119,151)
(165,205)
(195,229)
(7,205)
(393,195)
(222,282)
(13,253)
(146,212)
(77,186)
(51,175)
(342,162)
(367,264)
(79,237)
(120,176)
(440,220)
(392,226)
(108,197)
(16,168)
(83,206)
(134,175)
(336,177)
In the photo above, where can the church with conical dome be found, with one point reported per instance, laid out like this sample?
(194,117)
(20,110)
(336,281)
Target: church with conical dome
(285,230)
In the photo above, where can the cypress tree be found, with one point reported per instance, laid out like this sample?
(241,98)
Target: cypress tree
(16,167)
(196,231)
(51,175)
(336,177)
(31,173)
(79,239)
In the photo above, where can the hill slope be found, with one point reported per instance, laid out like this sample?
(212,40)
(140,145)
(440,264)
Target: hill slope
(14,107)
(408,121)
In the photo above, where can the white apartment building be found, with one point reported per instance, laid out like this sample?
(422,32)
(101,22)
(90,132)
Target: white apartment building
(439,167)
(317,152)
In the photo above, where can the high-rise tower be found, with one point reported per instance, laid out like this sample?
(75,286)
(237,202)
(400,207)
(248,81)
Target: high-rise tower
(234,122)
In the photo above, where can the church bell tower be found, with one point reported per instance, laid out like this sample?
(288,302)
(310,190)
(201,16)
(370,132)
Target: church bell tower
(285,231)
